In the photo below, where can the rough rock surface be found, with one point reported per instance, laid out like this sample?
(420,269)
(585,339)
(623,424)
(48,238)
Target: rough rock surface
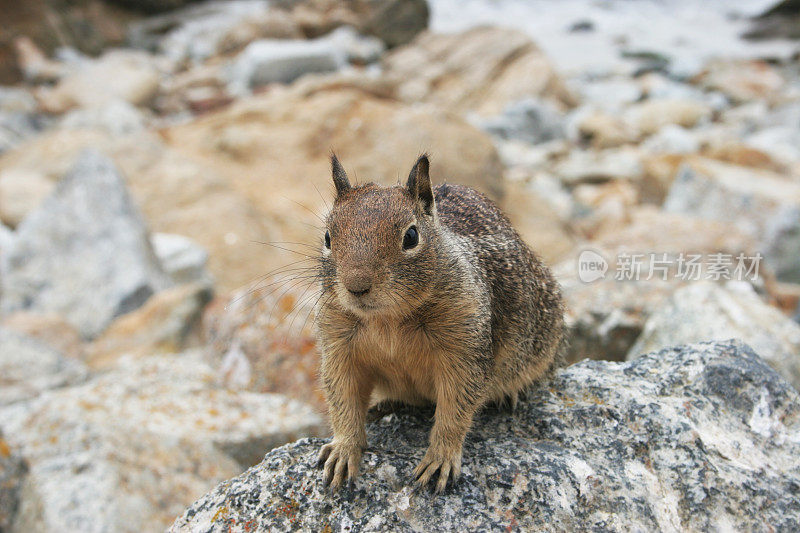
(84,253)
(12,472)
(28,367)
(708,311)
(698,437)
(135,445)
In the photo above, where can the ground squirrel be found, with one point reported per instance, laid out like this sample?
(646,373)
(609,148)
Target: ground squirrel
(428,295)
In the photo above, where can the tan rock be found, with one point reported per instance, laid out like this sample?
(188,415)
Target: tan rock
(538,224)
(650,116)
(164,324)
(739,153)
(743,80)
(605,131)
(21,191)
(659,172)
(479,70)
(49,329)
(118,75)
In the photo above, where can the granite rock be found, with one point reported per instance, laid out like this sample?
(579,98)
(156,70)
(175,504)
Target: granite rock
(702,437)
(134,446)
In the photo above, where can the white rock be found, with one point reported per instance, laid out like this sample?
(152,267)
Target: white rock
(182,258)
(83,253)
(708,311)
(282,61)
(672,139)
(117,118)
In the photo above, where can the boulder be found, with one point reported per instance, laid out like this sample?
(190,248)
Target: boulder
(480,70)
(16,126)
(84,253)
(281,141)
(12,474)
(166,323)
(759,203)
(29,367)
(710,311)
(135,445)
(701,436)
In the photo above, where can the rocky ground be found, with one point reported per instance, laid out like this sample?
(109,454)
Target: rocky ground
(163,168)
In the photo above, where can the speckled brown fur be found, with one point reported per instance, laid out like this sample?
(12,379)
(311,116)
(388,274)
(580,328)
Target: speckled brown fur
(467,316)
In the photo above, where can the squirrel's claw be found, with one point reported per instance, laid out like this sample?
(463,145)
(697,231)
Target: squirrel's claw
(449,468)
(340,463)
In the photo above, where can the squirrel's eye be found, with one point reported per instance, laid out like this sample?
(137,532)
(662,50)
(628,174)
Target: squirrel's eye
(328,240)
(411,238)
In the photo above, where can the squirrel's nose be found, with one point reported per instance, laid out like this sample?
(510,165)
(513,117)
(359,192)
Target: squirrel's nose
(358,286)
(359,293)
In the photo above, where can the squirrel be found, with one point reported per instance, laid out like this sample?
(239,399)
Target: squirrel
(429,295)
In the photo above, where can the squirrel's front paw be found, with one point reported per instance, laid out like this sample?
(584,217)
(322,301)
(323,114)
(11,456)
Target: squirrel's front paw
(447,463)
(340,462)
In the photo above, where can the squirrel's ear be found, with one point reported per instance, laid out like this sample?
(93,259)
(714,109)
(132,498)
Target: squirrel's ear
(339,176)
(419,184)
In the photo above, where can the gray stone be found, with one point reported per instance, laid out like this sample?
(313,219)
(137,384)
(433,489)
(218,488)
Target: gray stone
(764,205)
(134,446)
(709,311)
(29,367)
(702,437)
(183,259)
(194,32)
(15,127)
(83,253)
(12,473)
(283,61)
(530,120)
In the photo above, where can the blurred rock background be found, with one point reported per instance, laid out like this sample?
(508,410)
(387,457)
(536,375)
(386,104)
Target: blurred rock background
(164,168)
